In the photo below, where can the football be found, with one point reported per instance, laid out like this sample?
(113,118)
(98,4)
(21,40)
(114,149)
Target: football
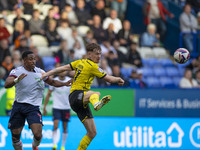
(181,55)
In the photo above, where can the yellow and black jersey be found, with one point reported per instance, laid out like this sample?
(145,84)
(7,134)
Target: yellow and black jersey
(85,70)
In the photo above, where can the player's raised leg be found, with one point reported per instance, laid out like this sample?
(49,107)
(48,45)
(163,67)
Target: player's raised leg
(37,132)
(16,141)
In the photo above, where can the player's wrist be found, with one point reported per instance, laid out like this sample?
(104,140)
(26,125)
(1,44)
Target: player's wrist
(16,80)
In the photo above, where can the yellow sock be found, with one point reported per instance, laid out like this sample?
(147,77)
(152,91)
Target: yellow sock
(94,98)
(84,143)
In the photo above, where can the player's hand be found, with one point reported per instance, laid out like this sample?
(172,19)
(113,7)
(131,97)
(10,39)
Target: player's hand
(43,76)
(21,77)
(44,111)
(121,82)
(69,83)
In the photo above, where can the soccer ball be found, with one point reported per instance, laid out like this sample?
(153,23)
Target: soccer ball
(181,55)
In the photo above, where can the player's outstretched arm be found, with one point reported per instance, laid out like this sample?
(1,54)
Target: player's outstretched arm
(57,70)
(11,81)
(57,83)
(113,79)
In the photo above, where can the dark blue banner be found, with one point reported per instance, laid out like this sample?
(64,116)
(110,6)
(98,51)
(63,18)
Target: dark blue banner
(167,103)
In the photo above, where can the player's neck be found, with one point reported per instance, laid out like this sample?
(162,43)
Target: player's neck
(29,69)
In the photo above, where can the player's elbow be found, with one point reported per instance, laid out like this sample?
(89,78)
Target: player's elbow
(6,85)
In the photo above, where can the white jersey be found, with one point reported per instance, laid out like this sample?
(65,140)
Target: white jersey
(60,95)
(30,88)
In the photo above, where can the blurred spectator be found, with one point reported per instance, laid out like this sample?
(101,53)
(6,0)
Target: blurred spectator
(27,36)
(82,14)
(194,65)
(8,65)
(120,6)
(49,17)
(112,59)
(51,33)
(198,77)
(187,81)
(73,37)
(16,56)
(121,57)
(106,68)
(64,30)
(99,10)
(155,12)
(39,61)
(124,35)
(63,16)
(36,25)
(56,10)
(19,13)
(79,51)
(188,24)
(73,20)
(137,75)
(114,20)
(110,34)
(63,52)
(195,5)
(88,37)
(14,4)
(99,32)
(4,34)
(133,55)
(71,57)
(198,21)
(28,6)
(18,30)
(2,74)
(3,5)
(23,46)
(4,50)
(150,38)
(106,47)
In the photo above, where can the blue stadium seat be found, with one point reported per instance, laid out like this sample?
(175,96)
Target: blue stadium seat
(167,82)
(172,71)
(166,62)
(49,62)
(152,82)
(181,71)
(126,72)
(159,71)
(147,72)
(176,80)
(153,62)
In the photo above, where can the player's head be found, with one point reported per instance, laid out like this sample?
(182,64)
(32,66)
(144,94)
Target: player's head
(29,59)
(94,52)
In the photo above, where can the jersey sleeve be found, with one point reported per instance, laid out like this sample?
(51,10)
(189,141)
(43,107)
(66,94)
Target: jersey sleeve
(97,71)
(74,64)
(14,73)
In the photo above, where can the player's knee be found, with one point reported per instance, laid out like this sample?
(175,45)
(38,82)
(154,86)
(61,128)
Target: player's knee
(55,128)
(15,137)
(38,136)
(92,134)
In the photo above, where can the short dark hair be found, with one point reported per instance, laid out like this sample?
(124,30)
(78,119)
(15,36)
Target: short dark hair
(92,46)
(26,53)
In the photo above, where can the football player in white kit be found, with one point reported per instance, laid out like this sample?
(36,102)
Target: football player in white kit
(29,94)
(61,108)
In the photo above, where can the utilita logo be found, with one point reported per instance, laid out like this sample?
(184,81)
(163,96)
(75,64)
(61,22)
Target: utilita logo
(147,137)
